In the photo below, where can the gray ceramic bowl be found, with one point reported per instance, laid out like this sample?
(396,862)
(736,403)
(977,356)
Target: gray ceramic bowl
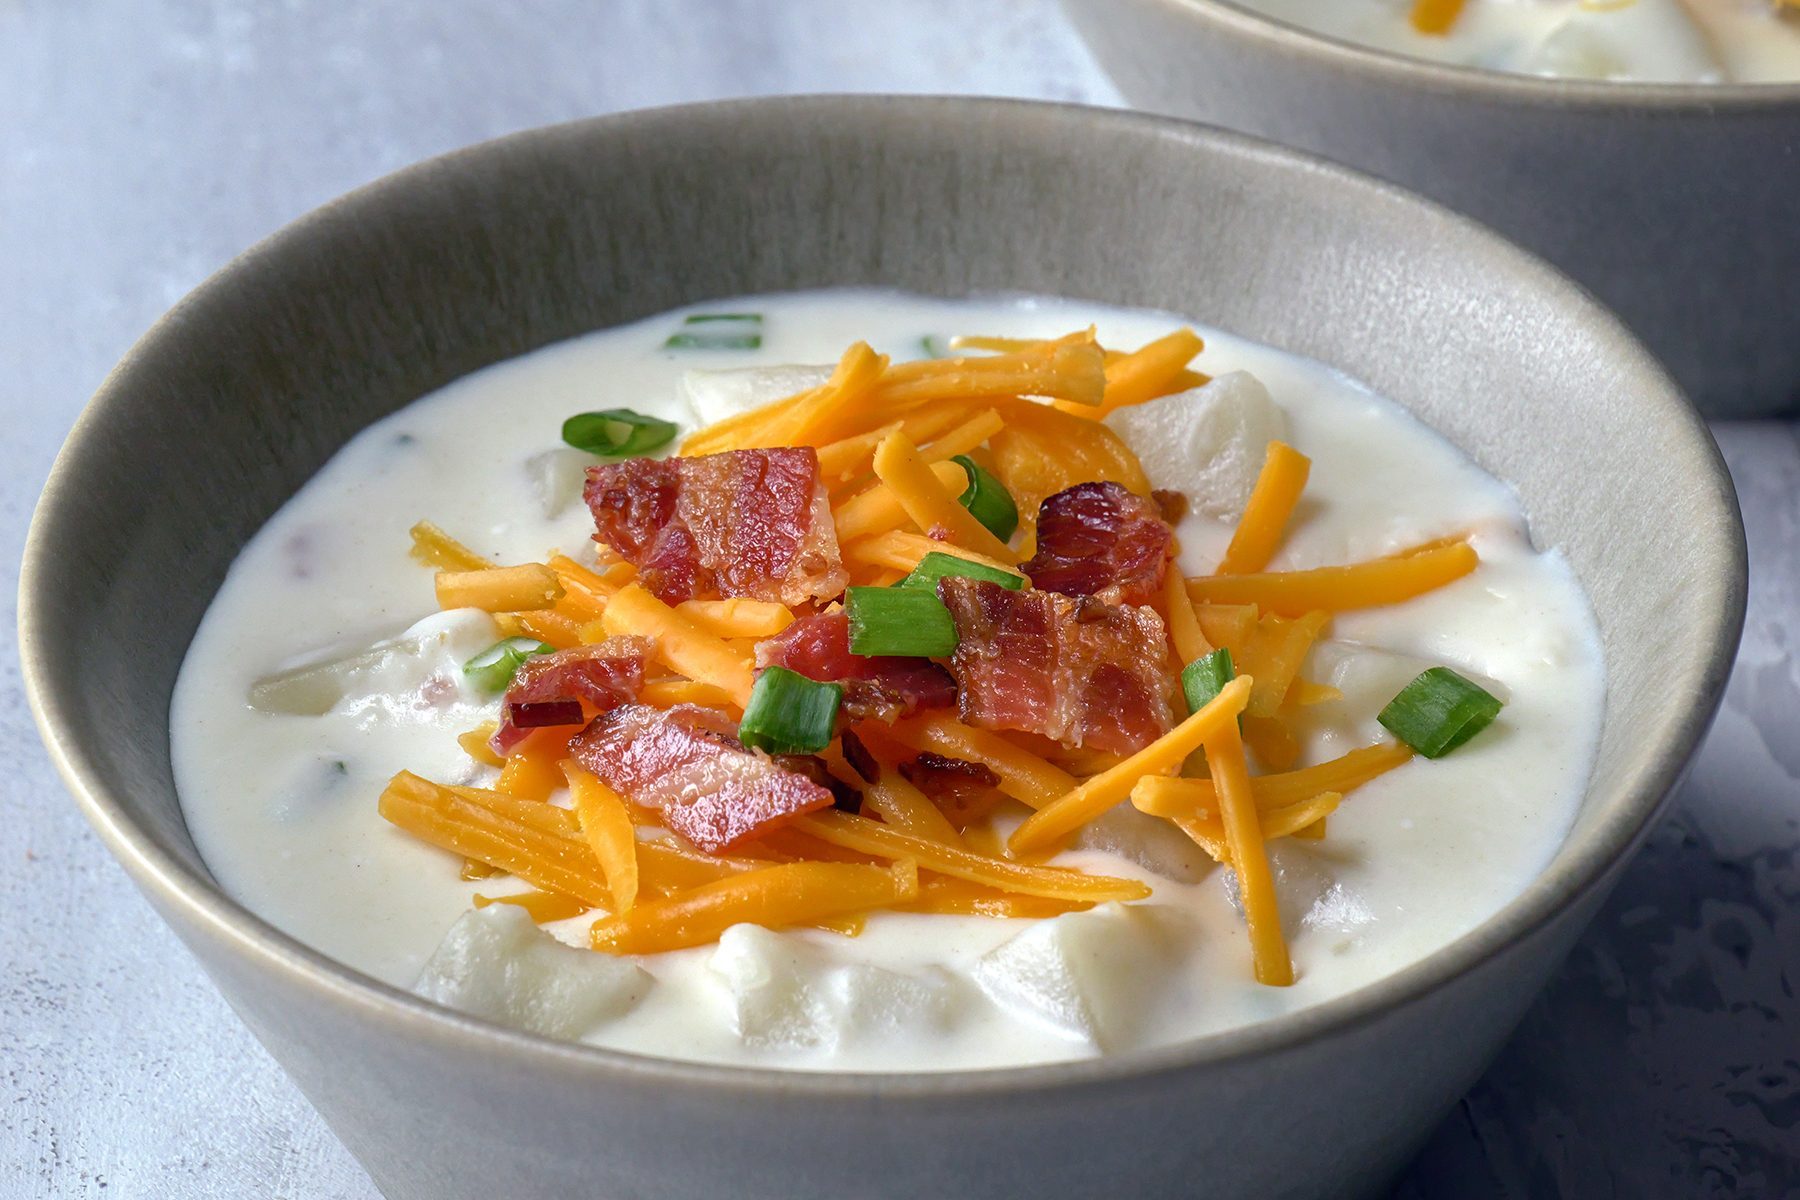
(240,393)
(1676,204)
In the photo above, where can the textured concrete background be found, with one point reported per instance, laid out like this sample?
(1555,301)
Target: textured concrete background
(142,142)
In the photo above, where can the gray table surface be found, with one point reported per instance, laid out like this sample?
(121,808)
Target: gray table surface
(142,142)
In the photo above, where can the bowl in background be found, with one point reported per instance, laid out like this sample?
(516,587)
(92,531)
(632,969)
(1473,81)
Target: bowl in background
(254,380)
(1674,203)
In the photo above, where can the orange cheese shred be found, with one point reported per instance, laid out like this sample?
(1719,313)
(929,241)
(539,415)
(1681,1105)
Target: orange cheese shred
(606,825)
(548,861)
(1435,17)
(1178,612)
(737,617)
(1266,514)
(901,551)
(542,907)
(777,896)
(931,506)
(939,894)
(1337,589)
(1024,776)
(1164,755)
(1244,837)
(435,548)
(1168,797)
(526,587)
(1056,883)
(878,509)
(531,771)
(476,743)
(796,420)
(1277,648)
(1152,370)
(681,644)
(902,806)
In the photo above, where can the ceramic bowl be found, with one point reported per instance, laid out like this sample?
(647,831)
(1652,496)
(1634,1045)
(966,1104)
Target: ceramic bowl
(230,402)
(1674,203)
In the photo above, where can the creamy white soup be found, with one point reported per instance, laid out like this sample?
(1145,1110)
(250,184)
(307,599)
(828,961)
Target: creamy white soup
(1651,41)
(279,772)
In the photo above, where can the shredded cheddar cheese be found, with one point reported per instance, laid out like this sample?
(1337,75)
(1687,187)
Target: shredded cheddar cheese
(1337,589)
(1026,410)
(1162,756)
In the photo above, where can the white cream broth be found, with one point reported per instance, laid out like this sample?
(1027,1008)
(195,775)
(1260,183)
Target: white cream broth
(283,805)
(1652,41)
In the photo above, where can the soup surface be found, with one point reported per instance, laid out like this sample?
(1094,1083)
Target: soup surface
(281,794)
(1650,41)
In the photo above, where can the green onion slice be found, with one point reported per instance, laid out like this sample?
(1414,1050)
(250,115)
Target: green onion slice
(493,669)
(1439,711)
(910,622)
(617,433)
(937,565)
(988,499)
(718,331)
(932,346)
(789,713)
(1206,677)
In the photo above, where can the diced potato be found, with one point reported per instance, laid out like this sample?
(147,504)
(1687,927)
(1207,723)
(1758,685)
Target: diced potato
(433,649)
(1647,39)
(1088,975)
(714,395)
(496,964)
(1208,442)
(556,478)
(787,993)
(1150,842)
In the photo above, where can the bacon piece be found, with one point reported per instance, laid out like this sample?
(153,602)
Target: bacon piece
(964,791)
(882,688)
(687,763)
(1101,540)
(843,797)
(601,676)
(538,714)
(1071,668)
(1171,504)
(753,523)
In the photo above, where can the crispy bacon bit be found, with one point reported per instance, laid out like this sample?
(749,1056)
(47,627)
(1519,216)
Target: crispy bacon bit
(1100,540)
(843,797)
(1171,504)
(753,523)
(537,714)
(885,688)
(859,758)
(964,791)
(601,676)
(687,763)
(1081,672)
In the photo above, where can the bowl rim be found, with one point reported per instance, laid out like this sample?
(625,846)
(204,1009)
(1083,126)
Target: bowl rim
(197,908)
(1500,87)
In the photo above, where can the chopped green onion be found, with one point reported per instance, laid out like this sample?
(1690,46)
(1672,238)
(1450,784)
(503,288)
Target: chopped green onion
(906,621)
(1206,677)
(1439,711)
(493,669)
(789,713)
(988,499)
(932,346)
(718,331)
(937,565)
(617,433)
